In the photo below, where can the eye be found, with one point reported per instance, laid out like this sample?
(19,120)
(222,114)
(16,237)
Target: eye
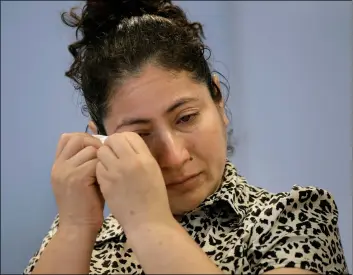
(187,118)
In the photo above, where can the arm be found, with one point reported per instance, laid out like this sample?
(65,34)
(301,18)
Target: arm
(62,251)
(80,205)
(133,186)
(69,252)
(303,237)
(162,248)
(290,271)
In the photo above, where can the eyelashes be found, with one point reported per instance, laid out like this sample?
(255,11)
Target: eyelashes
(185,120)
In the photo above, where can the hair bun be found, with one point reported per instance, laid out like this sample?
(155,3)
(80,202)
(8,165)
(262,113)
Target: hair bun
(124,8)
(101,16)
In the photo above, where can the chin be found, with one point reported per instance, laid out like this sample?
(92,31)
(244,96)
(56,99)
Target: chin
(180,206)
(181,210)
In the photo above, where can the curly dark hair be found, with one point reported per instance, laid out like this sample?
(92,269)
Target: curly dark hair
(116,38)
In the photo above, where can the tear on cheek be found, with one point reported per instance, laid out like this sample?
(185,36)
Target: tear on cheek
(100,137)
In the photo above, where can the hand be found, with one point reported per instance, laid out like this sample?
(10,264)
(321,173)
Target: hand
(74,182)
(131,181)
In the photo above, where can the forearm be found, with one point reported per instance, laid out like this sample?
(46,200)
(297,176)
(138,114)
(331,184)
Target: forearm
(69,252)
(168,249)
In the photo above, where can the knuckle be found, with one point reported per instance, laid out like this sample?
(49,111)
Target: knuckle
(55,167)
(132,135)
(54,176)
(64,136)
(91,141)
(115,136)
(91,149)
(147,161)
(57,173)
(76,137)
(99,167)
(100,151)
(137,164)
(72,178)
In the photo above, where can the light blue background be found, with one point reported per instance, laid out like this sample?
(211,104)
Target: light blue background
(290,69)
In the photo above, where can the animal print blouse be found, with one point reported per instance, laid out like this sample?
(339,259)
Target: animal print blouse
(243,229)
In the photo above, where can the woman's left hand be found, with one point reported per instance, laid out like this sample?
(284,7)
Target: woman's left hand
(131,181)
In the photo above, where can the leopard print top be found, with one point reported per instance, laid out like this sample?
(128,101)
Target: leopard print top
(243,229)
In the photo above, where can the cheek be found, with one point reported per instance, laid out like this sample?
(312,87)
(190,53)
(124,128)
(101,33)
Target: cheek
(210,138)
(210,150)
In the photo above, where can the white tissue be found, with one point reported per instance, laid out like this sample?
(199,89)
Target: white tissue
(100,137)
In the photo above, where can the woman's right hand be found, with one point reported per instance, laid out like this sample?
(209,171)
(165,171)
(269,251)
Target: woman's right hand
(73,177)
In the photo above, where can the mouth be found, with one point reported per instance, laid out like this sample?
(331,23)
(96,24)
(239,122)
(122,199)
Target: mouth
(183,180)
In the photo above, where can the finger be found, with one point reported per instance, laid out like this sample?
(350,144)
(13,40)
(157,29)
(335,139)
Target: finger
(92,141)
(76,143)
(119,145)
(86,154)
(61,144)
(101,172)
(137,143)
(73,145)
(64,139)
(88,168)
(107,157)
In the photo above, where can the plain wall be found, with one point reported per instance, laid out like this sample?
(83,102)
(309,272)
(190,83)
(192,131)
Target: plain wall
(289,65)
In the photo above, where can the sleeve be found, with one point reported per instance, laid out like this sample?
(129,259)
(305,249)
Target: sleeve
(298,229)
(53,229)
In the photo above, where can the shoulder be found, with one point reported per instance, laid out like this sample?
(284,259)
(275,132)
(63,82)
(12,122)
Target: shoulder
(296,229)
(302,206)
(302,210)
(313,200)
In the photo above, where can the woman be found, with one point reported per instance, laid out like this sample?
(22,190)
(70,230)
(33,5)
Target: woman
(178,205)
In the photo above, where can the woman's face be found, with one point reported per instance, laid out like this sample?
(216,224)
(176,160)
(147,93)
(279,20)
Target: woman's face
(183,127)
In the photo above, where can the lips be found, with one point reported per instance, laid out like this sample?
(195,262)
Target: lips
(182,180)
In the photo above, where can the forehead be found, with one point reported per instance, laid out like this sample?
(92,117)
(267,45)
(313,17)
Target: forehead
(152,91)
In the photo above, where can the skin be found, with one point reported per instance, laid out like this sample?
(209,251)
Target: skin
(80,205)
(135,171)
(170,144)
(195,129)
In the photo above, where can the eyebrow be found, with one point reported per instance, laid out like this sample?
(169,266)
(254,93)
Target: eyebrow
(175,105)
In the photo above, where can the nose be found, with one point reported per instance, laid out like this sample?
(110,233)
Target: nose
(170,151)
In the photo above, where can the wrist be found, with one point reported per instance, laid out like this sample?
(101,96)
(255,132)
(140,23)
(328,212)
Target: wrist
(72,233)
(152,245)
(139,220)
(144,228)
